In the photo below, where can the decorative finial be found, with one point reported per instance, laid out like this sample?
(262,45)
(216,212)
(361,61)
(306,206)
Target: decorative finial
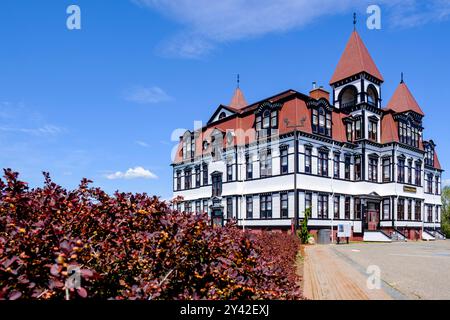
(238,80)
(401,81)
(354,21)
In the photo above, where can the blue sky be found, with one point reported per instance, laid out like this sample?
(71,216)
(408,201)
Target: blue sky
(104,102)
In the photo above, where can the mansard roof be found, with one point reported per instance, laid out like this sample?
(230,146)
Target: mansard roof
(355,59)
(403,101)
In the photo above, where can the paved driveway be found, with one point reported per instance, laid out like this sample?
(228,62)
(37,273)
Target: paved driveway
(411,270)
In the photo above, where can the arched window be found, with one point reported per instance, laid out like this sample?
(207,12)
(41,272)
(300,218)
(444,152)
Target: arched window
(222,115)
(321,121)
(348,97)
(372,96)
(265,121)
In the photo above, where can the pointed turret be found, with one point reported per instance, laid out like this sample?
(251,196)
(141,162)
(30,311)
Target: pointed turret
(403,101)
(355,59)
(238,101)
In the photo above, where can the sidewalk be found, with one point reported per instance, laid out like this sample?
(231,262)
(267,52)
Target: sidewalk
(329,277)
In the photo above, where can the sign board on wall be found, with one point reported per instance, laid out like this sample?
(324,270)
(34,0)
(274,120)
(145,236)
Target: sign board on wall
(344,230)
(409,189)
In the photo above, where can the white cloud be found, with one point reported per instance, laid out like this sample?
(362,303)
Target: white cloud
(142,144)
(206,23)
(47,130)
(446,182)
(132,173)
(148,95)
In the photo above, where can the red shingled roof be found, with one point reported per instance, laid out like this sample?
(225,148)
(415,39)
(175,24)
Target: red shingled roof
(355,59)
(437,164)
(389,129)
(403,101)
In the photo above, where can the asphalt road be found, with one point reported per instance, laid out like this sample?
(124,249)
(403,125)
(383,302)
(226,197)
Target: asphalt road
(409,270)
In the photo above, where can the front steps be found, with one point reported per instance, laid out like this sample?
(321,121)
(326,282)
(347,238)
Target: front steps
(376,236)
(427,236)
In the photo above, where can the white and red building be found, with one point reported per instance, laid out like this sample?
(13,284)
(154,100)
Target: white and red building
(346,156)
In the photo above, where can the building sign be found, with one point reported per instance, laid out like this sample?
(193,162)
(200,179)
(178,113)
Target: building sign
(344,230)
(409,189)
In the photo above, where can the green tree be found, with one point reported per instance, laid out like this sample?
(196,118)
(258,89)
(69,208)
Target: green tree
(446,211)
(303,233)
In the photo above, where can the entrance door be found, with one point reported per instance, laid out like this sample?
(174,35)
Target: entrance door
(217,218)
(373,220)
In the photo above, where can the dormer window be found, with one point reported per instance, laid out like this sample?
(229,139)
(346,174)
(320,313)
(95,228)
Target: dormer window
(266,120)
(188,145)
(429,155)
(321,121)
(409,134)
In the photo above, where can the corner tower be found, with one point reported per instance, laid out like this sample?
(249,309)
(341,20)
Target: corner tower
(356,79)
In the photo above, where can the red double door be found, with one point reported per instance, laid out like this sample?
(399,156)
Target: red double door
(373,220)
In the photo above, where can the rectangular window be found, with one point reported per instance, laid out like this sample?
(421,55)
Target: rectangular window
(308,200)
(418,211)
(348,163)
(401,171)
(188,207)
(205,206)
(197,177)
(249,207)
(322,206)
(347,208)
(409,204)
(357,209)
(205,174)
(358,169)
(229,208)
(373,130)
(358,129)
(229,171)
(266,207)
(187,179)
(418,173)
(337,201)
(410,170)
(284,205)
(386,209)
(178,180)
(349,131)
(217,185)
(336,166)
(386,170)
(401,209)
(322,169)
(373,170)
(284,161)
(308,160)
(429,213)
(198,209)
(438,185)
(265,164)
(429,183)
(249,167)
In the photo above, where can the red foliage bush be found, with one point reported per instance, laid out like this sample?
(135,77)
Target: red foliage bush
(130,246)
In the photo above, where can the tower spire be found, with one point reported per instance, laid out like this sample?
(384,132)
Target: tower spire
(401,81)
(354,21)
(238,81)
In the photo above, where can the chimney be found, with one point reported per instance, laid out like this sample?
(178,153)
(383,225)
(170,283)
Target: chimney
(318,93)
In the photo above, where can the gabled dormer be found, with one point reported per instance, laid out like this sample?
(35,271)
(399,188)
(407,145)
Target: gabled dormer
(356,79)
(222,112)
